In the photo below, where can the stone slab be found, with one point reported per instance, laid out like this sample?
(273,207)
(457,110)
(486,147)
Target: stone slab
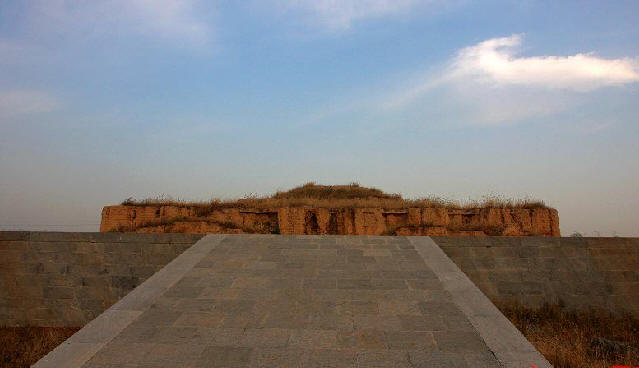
(505,341)
(261,301)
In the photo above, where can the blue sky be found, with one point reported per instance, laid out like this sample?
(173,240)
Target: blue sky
(103,100)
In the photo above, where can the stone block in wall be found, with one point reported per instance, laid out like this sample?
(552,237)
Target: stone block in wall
(121,269)
(509,288)
(536,275)
(144,271)
(608,252)
(614,276)
(10,248)
(67,311)
(94,305)
(547,252)
(79,269)
(94,281)
(93,292)
(502,252)
(531,288)
(9,236)
(527,251)
(158,253)
(13,253)
(497,275)
(578,264)
(58,292)
(573,241)
(511,263)
(27,286)
(624,304)
(30,268)
(485,263)
(535,301)
(621,262)
(42,315)
(627,288)
(125,282)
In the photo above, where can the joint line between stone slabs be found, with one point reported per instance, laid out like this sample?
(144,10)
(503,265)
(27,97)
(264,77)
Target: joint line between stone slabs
(84,344)
(508,345)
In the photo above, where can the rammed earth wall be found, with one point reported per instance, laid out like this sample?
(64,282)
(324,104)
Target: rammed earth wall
(338,221)
(67,279)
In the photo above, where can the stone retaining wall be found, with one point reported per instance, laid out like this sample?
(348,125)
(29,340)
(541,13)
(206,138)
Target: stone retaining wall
(578,272)
(67,279)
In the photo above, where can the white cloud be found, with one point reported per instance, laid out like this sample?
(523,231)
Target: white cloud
(488,84)
(16,102)
(495,61)
(172,20)
(341,14)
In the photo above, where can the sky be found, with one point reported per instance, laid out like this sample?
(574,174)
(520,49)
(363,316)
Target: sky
(105,100)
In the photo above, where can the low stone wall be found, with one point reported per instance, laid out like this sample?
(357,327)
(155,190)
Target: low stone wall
(67,279)
(578,272)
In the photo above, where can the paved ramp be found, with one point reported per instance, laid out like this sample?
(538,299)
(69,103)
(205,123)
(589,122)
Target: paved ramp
(302,301)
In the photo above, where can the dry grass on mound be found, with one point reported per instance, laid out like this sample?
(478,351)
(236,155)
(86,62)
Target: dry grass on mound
(338,196)
(23,346)
(568,339)
(323,192)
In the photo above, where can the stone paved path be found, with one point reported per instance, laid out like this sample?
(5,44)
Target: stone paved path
(286,301)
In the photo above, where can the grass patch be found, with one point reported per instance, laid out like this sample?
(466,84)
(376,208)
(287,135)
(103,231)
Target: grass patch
(23,346)
(336,196)
(584,339)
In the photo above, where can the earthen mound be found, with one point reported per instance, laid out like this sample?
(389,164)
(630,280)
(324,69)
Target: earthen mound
(335,209)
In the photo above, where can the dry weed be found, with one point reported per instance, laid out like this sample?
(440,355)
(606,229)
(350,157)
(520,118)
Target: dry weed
(584,339)
(337,196)
(23,346)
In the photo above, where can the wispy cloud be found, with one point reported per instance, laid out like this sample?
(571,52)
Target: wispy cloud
(167,20)
(342,14)
(495,61)
(489,83)
(18,102)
